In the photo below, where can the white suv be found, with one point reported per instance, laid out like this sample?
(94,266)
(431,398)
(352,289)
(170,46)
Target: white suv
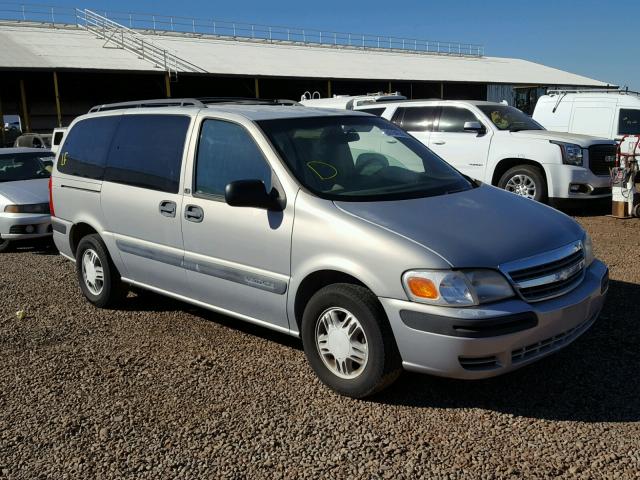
(502,146)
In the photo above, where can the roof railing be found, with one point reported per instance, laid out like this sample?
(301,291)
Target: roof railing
(560,91)
(200,102)
(164,24)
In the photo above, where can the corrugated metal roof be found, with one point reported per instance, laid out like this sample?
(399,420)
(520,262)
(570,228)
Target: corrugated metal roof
(28,46)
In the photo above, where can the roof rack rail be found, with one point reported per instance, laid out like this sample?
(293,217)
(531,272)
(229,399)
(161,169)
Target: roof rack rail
(190,102)
(162,102)
(558,91)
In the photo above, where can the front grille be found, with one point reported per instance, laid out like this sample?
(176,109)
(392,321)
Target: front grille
(552,343)
(601,158)
(550,275)
(479,363)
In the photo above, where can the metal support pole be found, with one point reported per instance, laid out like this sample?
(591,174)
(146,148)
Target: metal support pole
(57,94)
(256,87)
(2,137)
(329,88)
(442,90)
(389,87)
(167,83)
(25,113)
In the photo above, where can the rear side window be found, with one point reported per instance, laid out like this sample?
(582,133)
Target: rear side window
(373,111)
(452,119)
(629,122)
(147,151)
(418,119)
(226,153)
(85,148)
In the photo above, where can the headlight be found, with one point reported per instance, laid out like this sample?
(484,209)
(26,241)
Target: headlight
(571,153)
(32,208)
(456,287)
(587,245)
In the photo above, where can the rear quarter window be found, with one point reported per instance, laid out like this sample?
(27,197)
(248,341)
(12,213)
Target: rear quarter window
(85,148)
(147,151)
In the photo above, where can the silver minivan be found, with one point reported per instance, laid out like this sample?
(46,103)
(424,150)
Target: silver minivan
(336,227)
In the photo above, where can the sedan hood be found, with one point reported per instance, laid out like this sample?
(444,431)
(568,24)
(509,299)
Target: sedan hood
(482,227)
(25,191)
(582,140)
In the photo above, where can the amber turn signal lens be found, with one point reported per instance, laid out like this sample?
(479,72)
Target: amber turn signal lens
(423,288)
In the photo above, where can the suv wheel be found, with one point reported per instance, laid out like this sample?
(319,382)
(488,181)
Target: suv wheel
(4,245)
(348,341)
(525,180)
(99,280)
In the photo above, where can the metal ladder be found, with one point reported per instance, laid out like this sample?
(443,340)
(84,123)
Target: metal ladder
(122,37)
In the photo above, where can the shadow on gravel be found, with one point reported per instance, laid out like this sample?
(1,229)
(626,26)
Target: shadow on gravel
(592,380)
(589,208)
(37,247)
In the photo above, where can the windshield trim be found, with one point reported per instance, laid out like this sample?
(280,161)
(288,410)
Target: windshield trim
(434,192)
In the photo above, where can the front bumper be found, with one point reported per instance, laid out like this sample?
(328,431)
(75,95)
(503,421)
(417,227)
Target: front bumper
(562,177)
(24,226)
(489,340)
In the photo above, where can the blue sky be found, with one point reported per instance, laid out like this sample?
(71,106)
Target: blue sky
(598,39)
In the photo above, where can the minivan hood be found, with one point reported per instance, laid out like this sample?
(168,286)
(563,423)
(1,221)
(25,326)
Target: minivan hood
(578,139)
(25,191)
(482,227)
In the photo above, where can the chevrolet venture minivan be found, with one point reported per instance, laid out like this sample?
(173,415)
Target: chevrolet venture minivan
(334,226)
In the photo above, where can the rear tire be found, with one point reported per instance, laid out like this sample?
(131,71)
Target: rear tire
(525,180)
(343,322)
(97,275)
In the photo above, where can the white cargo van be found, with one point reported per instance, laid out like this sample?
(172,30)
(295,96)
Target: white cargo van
(602,113)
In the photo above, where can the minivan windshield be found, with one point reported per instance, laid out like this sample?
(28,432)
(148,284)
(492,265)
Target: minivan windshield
(25,166)
(360,158)
(509,118)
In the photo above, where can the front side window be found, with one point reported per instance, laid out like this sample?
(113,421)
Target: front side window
(85,149)
(360,159)
(147,152)
(25,166)
(452,119)
(226,153)
(509,118)
(629,121)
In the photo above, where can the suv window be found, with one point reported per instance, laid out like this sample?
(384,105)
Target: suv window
(416,119)
(452,119)
(373,111)
(57,138)
(226,153)
(147,152)
(85,148)
(629,122)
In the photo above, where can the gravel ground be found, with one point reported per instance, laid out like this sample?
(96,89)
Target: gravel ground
(160,389)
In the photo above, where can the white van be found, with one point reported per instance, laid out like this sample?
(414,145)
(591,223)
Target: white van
(602,113)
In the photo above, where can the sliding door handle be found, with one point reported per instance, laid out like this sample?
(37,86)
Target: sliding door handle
(168,208)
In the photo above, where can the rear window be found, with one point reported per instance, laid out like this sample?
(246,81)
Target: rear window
(84,152)
(373,111)
(629,122)
(147,151)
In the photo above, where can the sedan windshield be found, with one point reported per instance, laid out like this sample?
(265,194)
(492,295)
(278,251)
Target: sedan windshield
(360,158)
(509,118)
(25,166)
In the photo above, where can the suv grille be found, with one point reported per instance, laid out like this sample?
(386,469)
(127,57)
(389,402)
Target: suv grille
(549,276)
(601,158)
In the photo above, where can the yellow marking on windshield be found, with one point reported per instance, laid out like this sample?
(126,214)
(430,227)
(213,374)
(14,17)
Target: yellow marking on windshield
(334,174)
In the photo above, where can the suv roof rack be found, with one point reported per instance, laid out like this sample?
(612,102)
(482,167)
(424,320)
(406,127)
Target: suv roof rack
(190,102)
(560,91)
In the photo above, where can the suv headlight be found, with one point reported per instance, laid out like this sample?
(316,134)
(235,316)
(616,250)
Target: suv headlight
(571,153)
(587,245)
(456,288)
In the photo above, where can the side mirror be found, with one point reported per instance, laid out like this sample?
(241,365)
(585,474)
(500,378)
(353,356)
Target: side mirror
(252,193)
(476,127)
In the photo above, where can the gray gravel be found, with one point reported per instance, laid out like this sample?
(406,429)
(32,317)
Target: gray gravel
(160,389)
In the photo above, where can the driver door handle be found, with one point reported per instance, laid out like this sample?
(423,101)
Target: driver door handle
(439,142)
(194,213)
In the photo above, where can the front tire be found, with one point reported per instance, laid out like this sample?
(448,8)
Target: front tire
(525,180)
(348,341)
(5,245)
(97,275)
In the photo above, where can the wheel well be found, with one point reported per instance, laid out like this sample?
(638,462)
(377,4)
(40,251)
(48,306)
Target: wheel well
(314,282)
(78,231)
(507,163)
